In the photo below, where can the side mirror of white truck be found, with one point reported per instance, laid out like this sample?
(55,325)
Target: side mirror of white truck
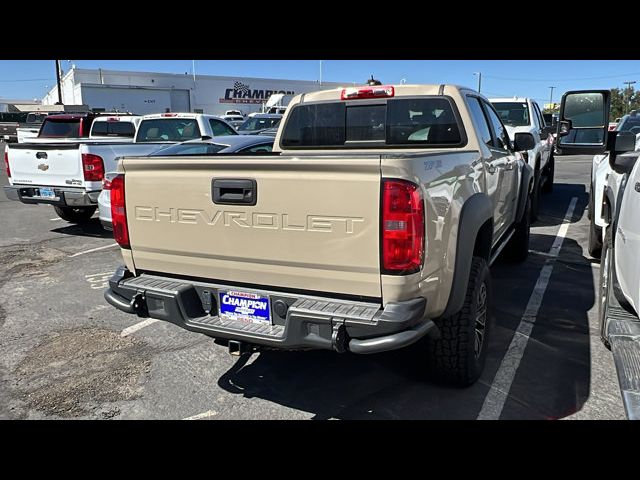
(584,121)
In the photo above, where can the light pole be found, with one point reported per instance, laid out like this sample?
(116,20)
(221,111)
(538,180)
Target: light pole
(629,88)
(59,102)
(551,99)
(479,74)
(320,72)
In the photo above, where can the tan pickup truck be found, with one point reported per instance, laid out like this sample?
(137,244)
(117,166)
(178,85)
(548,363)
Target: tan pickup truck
(371,226)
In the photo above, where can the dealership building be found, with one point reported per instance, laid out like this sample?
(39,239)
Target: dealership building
(147,92)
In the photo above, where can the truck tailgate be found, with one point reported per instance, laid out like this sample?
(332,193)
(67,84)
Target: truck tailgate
(315,224)
(46,164)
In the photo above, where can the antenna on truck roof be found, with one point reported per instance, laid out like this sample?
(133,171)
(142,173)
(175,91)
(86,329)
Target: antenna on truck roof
(373,81)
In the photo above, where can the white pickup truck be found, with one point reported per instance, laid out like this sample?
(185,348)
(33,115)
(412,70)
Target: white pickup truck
(67,172)
(523,115)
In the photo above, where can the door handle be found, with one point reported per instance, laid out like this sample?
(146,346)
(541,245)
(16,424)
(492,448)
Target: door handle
(232,191)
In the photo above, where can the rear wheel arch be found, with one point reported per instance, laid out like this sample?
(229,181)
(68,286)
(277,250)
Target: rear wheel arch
(475,234)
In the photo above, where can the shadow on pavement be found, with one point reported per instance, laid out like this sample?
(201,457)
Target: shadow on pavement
(553,206)
(553,379)
(93,228)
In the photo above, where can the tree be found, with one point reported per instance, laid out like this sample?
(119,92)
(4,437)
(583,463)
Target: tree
(623,101)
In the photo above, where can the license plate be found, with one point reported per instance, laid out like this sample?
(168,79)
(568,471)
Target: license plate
(245,306)
(47,193)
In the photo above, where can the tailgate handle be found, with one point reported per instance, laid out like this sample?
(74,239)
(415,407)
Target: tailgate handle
(40,155)
(231,191)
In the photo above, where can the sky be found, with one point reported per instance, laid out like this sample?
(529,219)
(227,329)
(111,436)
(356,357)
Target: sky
(31,79)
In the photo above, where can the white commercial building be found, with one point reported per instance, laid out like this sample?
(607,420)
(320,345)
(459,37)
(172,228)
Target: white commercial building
(147,92)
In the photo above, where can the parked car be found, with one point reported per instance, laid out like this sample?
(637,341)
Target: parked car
(31,127)
(255,124)
(365,230)
(9,123)
(524,115)
(115,127)
(619,296)
(223,144)
(179,127)
(235,120)
(65,168)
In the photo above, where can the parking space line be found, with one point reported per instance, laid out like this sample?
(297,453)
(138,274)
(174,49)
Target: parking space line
(93,250)
(499,391)
(54,219)
(138,326)
(207,414)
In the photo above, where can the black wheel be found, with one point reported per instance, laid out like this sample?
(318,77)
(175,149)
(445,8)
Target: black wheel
(75,215)
(535,197)
(458,356)
(550,172)
(518,248)
(606,276)
(595,239)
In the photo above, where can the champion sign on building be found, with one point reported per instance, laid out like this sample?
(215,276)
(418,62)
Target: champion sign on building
(242,93)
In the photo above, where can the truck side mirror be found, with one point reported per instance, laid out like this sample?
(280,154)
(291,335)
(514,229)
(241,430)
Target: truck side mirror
(546,131)
(622,156)
(584,122)
(523,142)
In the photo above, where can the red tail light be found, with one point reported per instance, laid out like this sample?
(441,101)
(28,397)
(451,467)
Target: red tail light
(377,91)
(6,163)
(402,227)
(93,167)
(119,212)
(106,184)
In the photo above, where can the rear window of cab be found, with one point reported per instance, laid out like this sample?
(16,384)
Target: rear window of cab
(399,122)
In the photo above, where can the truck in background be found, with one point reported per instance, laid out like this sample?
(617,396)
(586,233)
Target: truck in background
(64,167)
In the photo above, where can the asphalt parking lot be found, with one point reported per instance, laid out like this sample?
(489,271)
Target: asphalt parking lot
(65,353)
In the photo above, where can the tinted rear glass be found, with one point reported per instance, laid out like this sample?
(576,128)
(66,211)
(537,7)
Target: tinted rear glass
(60,128)
(406,122)
(514,114)
(113,129)
(168,130)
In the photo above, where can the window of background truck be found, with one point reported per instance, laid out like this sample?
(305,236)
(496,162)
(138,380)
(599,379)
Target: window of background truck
(263,147)
(258,123)
(536,108)
(514,114)
(501,139)
(629,123)
(60,128)
(36,117)
(218,128)
(113,129)
(396,122)
(168,130)
(480,120)
(190,149)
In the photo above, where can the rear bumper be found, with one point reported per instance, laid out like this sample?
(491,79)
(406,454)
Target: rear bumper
(65,197)
(298,321)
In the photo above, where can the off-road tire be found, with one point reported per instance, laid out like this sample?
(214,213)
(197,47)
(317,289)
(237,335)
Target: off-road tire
(535,197)
(595,239)
(550,173)
(75,215)
(455,357)
(606,277)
